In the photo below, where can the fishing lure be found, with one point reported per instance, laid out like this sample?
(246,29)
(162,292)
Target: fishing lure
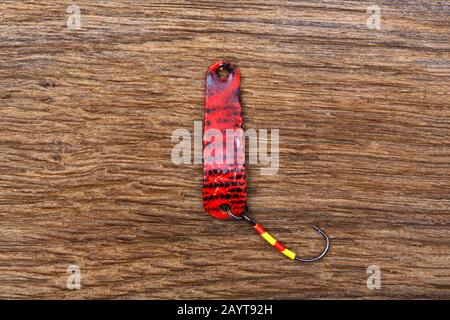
(224,180)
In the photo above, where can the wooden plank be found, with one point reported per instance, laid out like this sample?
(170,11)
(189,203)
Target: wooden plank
(86,176)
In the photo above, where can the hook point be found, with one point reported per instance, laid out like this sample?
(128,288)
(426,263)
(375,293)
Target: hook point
(325,250)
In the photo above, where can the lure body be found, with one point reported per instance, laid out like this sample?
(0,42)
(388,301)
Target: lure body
(223,148)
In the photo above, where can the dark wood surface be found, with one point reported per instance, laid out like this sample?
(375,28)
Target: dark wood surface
(86,176)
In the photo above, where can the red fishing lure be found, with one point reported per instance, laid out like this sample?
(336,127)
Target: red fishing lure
(223,167)
(224,183)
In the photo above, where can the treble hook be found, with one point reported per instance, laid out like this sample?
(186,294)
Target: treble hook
(288,253)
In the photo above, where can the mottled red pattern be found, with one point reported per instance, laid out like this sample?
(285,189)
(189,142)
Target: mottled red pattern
(223,183)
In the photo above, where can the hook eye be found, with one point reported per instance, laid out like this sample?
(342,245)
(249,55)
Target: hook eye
(226,208)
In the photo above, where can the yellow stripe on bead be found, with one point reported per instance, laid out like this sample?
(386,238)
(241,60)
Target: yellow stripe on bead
(269,238)
(288,253)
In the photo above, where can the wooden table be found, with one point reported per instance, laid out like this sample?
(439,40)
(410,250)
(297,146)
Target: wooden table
(86,176)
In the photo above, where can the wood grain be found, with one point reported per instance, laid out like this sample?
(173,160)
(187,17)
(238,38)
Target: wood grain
(86,176)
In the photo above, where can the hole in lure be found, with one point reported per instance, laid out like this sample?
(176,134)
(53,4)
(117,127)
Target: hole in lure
(224,184)
(222,73)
